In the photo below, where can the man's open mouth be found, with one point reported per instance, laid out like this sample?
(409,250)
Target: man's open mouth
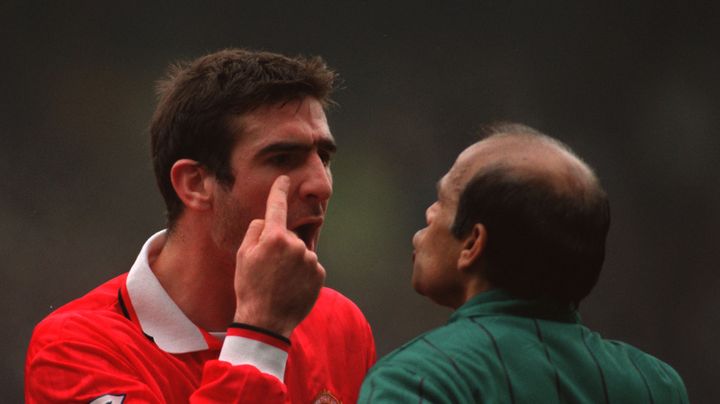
(307,233)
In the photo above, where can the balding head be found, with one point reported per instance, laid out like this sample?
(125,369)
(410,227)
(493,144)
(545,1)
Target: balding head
(525,152)
(543,208)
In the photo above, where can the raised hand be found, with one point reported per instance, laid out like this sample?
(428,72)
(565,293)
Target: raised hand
(277,279)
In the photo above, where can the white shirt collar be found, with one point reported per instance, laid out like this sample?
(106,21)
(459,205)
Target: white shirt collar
(158,315)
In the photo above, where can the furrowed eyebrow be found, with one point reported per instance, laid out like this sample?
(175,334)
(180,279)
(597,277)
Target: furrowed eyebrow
(284,147)
(325,145)
(328,145)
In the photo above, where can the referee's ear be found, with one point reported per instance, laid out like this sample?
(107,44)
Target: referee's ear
(193,184)
(472,249)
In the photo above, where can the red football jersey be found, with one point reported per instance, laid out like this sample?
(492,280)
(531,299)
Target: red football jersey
(127,341)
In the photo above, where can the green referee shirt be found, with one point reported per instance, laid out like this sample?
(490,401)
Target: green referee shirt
(496,349)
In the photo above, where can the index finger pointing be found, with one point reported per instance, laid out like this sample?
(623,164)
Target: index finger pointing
(276,208)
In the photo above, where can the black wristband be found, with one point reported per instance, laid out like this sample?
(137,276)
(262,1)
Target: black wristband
(260,330)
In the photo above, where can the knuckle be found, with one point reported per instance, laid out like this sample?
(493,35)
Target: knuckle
(275,237)
(295,246)
(321,272)
(311,258)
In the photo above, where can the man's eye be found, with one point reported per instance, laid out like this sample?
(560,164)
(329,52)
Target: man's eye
(325,157)
(281,159)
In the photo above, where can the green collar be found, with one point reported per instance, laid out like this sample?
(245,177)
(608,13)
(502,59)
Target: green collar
(499,302)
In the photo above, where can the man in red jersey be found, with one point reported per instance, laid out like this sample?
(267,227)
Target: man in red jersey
(227,304)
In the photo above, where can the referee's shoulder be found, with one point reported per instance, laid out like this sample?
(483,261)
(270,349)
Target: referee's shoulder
(438,344)
(645,359)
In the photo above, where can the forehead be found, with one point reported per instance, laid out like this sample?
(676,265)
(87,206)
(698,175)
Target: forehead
(451,184)
(300,120)
(465,165)
(468,163)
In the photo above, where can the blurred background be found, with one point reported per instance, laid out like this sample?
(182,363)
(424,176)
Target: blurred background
(633,88)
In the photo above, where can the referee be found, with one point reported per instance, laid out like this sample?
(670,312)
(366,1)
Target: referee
(514,242)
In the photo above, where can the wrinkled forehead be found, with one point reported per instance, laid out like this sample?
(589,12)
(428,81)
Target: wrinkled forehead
(467,164)
(453,182)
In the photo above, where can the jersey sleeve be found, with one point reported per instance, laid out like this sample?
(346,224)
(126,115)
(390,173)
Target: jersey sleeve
(67,369)
(74,371)
(223,382)
(371,353)
(250,369)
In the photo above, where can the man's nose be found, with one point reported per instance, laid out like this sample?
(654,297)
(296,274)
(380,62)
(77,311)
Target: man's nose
(317,183)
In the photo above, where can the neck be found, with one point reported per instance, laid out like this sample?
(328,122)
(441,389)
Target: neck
(473,287)
(198,278)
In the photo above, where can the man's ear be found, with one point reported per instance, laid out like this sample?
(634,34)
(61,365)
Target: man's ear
(473,247)
(192,183)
